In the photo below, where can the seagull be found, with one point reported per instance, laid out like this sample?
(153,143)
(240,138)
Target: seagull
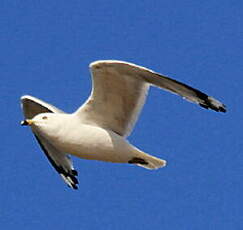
(98,130)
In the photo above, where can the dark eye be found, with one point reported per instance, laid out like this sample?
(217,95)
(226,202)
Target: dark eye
(44,118)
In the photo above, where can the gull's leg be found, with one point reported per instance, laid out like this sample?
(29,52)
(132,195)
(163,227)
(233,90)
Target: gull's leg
(136,160)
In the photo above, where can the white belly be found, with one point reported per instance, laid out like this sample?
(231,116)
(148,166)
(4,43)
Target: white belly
(94,143)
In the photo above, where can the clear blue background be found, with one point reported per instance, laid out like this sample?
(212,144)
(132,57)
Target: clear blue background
(45,49)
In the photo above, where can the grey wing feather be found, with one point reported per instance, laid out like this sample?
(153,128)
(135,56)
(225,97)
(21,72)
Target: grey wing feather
(187,92)
(60,161)
(115,101)
(119,93)
(32,106)
(171,85)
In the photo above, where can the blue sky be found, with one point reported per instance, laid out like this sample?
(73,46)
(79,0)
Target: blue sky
(46,47)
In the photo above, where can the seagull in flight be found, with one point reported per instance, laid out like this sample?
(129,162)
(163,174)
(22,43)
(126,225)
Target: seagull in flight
(98,130)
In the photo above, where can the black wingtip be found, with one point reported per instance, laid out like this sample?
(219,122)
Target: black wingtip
(211,103)
(223,109)
(217,109)
(74,172)
(70,179)
(68,176)
(73,186)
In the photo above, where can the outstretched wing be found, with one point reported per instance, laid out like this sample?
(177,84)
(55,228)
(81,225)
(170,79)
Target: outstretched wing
(32,106)
(60,161)
(119,92)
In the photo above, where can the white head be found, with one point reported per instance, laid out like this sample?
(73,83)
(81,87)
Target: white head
(47,123)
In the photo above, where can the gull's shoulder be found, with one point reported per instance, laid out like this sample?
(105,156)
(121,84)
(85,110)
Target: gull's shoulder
(28,97)
(104,62)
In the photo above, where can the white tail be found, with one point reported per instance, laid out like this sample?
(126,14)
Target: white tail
(147,161)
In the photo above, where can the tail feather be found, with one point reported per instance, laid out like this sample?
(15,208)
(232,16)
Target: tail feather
(147,161)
